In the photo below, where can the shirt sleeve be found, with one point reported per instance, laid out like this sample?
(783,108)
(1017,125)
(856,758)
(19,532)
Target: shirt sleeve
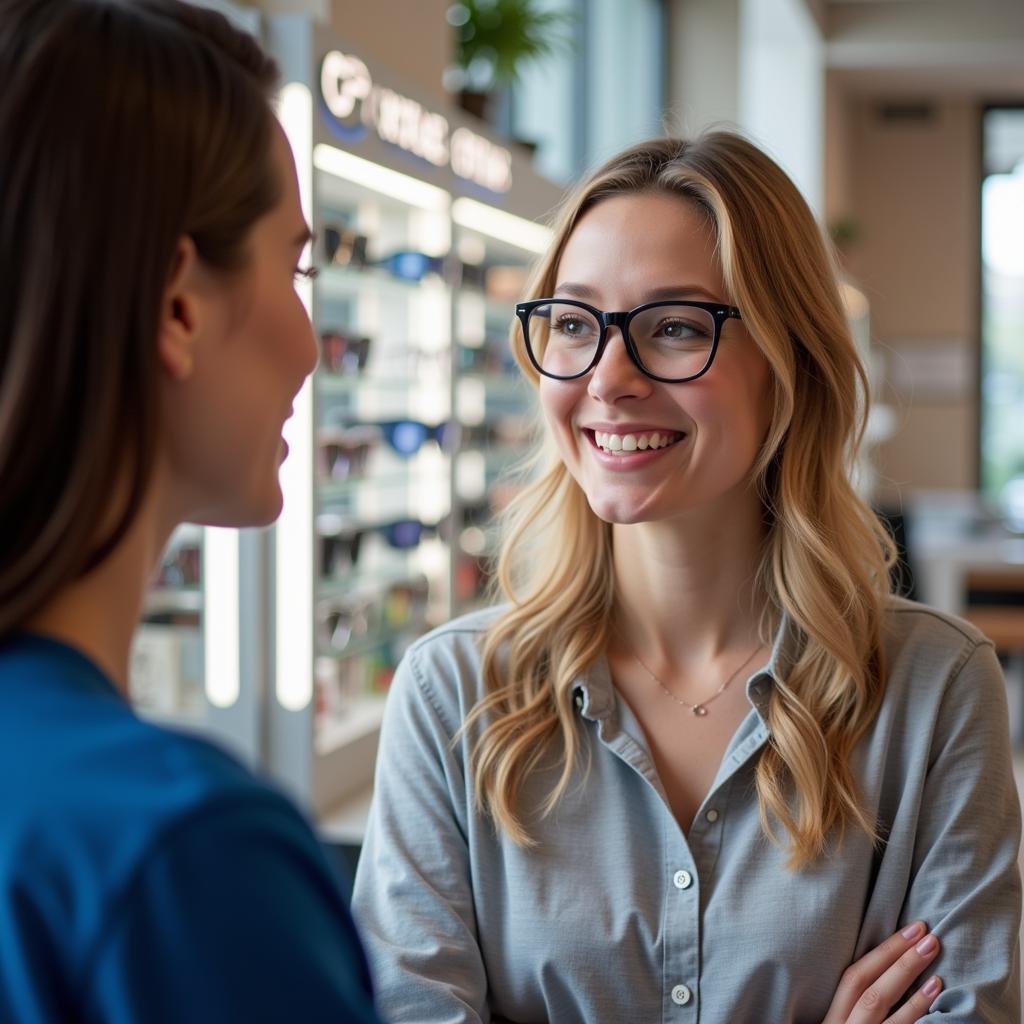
(412,895)
(966,881)
(234,916)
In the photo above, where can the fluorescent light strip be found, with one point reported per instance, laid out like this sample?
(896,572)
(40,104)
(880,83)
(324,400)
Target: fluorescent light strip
(293,588)
(381,179)
(506,227)
(222,674)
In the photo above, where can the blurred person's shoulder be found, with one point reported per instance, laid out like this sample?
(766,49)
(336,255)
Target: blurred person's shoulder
(91,792)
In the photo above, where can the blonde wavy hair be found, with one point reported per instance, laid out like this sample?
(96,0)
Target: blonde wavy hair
(826,558)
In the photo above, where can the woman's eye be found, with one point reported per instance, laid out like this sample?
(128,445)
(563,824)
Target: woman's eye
(679,329)
(570,326)
(306,272)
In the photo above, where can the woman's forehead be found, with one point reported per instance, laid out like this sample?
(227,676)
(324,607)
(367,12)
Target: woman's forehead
(631,241)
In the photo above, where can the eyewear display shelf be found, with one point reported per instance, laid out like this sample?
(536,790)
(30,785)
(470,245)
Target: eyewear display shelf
(419,418)
(402,445)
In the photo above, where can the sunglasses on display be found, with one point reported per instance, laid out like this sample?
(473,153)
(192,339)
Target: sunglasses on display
(344,247)
(343,354)
(343,452)
(341,542)
(407,437)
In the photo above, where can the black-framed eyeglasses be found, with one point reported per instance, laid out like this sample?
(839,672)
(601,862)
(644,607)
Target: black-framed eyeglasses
(671,341)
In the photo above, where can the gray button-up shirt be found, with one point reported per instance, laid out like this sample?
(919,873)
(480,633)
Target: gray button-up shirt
(617,916)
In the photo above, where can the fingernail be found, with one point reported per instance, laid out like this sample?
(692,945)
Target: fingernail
(927,945)
(931,987)
(913,930)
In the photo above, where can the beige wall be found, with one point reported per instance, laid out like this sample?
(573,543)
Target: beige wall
(408,37)
(913,190)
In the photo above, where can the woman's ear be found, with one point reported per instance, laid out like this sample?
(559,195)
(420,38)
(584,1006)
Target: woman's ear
(178,329)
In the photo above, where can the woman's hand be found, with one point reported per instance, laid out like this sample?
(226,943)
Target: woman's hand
(872,986)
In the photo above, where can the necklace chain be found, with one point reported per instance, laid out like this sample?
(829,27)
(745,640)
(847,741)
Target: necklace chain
(700,709)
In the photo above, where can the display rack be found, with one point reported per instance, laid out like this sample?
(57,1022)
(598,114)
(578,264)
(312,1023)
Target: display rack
(404,444)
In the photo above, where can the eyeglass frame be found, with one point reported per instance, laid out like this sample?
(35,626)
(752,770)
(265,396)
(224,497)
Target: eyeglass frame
(719,314)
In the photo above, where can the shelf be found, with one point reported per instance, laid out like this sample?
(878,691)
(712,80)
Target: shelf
(362,719)
(369,643)
(342,491)
(378,580)
(341,281)
(166,601)
(336,384)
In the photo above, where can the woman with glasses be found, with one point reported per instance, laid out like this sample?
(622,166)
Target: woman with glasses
(700,763)
(151,345)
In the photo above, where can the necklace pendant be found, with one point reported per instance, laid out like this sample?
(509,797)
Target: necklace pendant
(699,710)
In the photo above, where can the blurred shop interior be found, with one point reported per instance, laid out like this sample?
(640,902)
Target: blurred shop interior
(432,140)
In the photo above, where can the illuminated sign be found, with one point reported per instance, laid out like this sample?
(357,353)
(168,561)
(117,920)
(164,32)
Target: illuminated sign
(359,106)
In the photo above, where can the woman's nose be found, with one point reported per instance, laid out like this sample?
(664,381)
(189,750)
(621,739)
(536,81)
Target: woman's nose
(616,376)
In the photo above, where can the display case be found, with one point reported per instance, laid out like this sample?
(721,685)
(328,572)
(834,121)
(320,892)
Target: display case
(406,440)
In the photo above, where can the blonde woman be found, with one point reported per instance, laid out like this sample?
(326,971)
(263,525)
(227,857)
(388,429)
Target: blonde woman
(700,762)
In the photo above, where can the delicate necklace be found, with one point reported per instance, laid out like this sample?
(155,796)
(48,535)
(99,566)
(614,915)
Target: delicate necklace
(700,710)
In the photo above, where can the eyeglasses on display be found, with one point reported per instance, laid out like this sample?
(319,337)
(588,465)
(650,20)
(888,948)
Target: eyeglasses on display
(343,354)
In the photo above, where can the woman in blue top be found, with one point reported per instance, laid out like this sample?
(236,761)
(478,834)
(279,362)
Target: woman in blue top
(151,345)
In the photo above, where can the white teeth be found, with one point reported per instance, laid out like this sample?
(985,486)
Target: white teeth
(623,443)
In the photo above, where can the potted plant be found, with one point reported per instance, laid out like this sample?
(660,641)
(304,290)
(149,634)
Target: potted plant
(495,39)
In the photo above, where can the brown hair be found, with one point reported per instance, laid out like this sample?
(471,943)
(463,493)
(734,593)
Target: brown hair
(826,559)
(124,125)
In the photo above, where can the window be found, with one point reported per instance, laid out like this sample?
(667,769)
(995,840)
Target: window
(604,94)
(1002,310)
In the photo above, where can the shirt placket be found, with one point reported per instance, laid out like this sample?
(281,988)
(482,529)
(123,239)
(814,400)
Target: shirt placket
(687,861)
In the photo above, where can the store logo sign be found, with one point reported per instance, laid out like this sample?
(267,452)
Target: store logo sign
(359,105)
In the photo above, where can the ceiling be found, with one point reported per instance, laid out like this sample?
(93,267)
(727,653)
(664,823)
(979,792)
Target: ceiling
(965,47)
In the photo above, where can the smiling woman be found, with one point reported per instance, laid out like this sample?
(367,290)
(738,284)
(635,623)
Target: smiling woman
(700,760)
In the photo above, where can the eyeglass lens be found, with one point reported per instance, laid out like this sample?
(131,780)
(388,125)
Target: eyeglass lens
(671,340)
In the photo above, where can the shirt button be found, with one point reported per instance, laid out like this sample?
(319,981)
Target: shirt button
(682,879)
(712,815)
(680,995)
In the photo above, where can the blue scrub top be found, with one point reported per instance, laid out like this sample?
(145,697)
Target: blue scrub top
(146,875)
